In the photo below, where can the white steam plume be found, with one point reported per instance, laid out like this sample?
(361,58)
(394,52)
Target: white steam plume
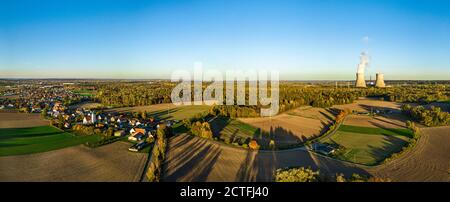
(363,62)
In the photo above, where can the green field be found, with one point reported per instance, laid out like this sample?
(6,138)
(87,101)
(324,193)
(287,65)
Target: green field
(368,146)
(180,113)
(85,92)
(17,141)
(232,130)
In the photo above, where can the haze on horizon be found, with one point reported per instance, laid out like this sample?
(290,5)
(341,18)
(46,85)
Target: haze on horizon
(304,40)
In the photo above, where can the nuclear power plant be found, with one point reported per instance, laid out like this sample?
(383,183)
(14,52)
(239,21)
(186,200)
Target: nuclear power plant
(360,81)
(380,81)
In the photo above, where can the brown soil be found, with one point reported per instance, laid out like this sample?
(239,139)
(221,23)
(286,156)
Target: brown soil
(373,122)
(429,160)
(193,159)
(10,119)
(107,163)
(287,127)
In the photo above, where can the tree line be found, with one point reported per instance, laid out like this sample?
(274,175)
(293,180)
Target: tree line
(432,117)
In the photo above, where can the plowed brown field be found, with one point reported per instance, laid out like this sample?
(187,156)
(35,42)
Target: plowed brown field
(107,163)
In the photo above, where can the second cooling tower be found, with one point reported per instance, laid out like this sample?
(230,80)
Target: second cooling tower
(380,81)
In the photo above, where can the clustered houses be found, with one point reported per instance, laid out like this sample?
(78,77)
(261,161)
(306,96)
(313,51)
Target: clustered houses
(35,98)
(52,101)
(120,124)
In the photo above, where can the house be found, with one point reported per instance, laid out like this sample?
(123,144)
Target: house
(85,120)
(136,137)
(323,149)
(66,125)
(137,134)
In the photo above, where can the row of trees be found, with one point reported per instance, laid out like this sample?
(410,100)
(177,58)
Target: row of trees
(158,154)
(91,130)
(432,117)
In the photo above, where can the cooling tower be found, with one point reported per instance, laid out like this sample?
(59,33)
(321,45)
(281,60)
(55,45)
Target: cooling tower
(380,81)
(360,82)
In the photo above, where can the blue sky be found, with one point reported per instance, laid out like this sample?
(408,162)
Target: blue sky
(304,40)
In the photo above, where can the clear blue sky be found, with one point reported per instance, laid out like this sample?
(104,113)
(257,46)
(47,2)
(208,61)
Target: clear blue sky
(149,39)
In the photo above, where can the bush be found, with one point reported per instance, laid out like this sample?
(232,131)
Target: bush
(253,145)
(359,178)
(202,130)
(103,141)
(296,175)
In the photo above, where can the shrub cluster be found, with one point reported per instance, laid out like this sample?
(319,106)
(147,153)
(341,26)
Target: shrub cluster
(303,174)
(103,141)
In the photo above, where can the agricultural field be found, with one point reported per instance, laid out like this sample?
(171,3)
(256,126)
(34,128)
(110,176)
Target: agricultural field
(194,159)
(326,116)
(85,92)
(365,104)
(428,161)
(86,105)
(165,111)
(232,130)
(368,145)
(19,141)
(373,121)
(109,163)
(14,119)
(288,129)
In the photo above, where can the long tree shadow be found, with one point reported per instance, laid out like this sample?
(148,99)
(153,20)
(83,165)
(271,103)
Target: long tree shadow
(390,145)
(262,165)
(194,166)
(218,125)
(5,135)
(283,138)
(389,122)
(400,132)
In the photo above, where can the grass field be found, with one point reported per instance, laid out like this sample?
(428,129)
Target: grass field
(366,145)
(232,130)
(165,111)
(180,113)
(18,141)
(85,92)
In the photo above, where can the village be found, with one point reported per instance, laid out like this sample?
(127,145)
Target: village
(56,103)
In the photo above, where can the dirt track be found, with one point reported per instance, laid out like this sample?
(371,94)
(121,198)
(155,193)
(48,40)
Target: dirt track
(428,161)
(195,159)
(107,163)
